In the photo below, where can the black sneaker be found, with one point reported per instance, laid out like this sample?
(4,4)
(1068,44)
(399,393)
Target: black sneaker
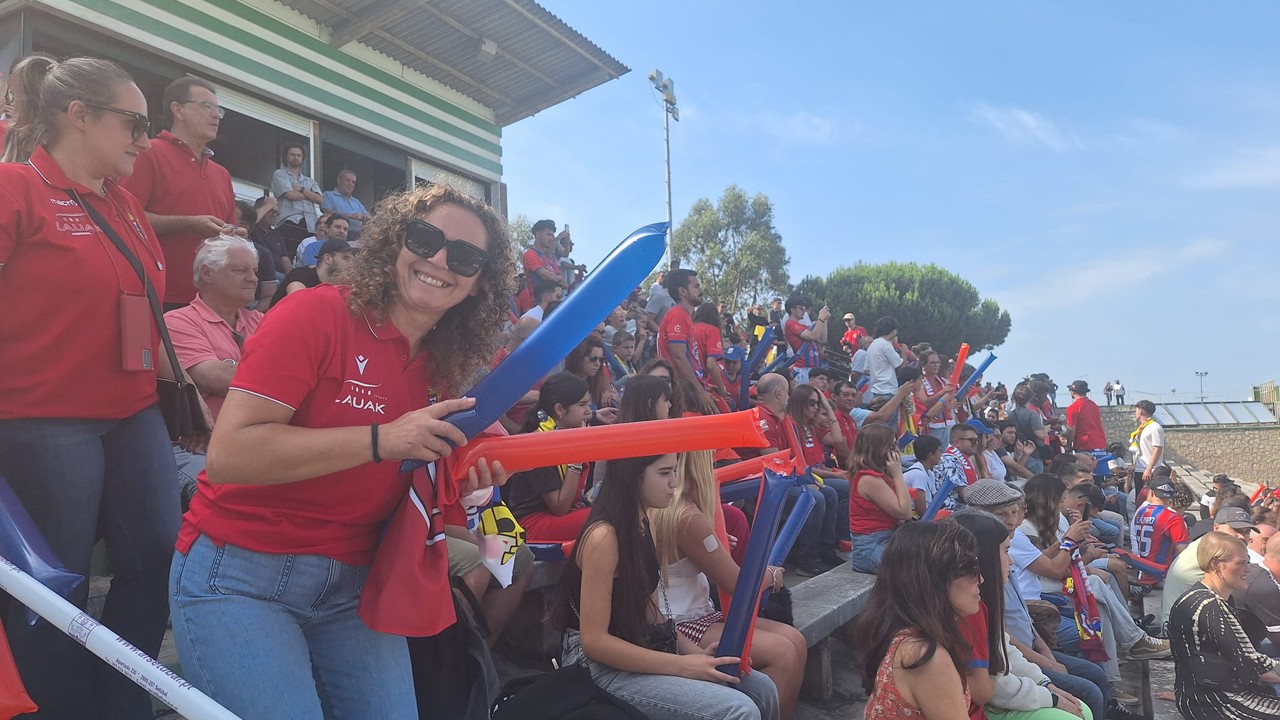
(1116,711)
(831,559)
(811,568)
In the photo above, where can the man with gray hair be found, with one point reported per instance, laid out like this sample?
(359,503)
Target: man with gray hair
(208,335)
(342,202)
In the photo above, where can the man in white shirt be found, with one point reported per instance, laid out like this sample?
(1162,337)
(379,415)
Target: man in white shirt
(883,359)
(1146,443)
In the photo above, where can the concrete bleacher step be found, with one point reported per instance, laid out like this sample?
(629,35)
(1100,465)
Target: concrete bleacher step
(823,607)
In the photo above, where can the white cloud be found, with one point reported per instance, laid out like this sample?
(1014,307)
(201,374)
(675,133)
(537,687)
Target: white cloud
(794,128)
(1025,128)
(1255,168)
(1066,286)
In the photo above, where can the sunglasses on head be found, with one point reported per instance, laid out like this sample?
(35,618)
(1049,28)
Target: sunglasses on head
(141,124)
(425,240)
(966,566)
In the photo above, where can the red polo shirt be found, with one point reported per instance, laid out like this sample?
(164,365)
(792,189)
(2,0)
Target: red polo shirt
(60,286)
(169,179)
(709,345)
(333,369)
(677,327)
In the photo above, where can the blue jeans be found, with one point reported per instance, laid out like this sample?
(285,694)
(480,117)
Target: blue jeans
(841,486)
(1105,531)
(819,532)
(189,467)
(277,637)
(667,697)
(868,549)
(1084,680)
(81,480)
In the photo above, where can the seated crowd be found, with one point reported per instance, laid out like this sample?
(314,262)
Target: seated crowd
(997,524)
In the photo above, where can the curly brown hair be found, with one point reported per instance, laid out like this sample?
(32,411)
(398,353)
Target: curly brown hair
(468,334)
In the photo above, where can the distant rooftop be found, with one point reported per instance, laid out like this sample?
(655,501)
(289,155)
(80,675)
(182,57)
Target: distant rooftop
(1213,413)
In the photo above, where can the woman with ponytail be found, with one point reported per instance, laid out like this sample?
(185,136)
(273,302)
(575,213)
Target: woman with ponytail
(82,440)
(550,502)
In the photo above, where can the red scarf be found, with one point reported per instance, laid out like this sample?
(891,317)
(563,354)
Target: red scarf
(929,390)
(1088,619)
(970,474)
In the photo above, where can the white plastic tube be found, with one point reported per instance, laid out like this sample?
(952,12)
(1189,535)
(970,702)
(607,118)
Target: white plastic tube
(136,665)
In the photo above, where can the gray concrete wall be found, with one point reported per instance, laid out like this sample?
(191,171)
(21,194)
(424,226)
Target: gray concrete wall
(1245,452)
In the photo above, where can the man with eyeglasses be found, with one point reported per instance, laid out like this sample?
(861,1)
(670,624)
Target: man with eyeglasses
(298,194)
(187,196)
(957,464)
(208,335)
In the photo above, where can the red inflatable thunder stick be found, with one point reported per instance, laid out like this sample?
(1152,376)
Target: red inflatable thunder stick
(960,358)
(611,442)
(749,467)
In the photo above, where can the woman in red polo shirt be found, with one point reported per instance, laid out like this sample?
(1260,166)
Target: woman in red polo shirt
(879,501)
(336,387)
(82,442)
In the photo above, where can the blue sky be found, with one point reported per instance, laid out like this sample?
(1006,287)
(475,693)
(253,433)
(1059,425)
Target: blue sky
(1108,172)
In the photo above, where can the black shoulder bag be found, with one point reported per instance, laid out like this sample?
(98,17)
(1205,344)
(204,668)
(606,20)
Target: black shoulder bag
(179,399)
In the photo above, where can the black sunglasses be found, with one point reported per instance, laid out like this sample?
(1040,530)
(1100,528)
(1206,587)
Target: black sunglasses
(425,240)
(141,123)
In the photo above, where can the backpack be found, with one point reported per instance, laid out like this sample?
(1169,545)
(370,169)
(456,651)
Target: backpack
(454,677)
(567,693)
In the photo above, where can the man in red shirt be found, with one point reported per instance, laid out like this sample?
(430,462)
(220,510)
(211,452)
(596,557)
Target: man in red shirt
(187,196)
(677,343)
(805,340)
(540,263)
(853,334)
(1084,421)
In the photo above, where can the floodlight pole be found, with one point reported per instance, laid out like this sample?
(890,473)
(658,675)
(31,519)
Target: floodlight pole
(669,112)
(1201,376)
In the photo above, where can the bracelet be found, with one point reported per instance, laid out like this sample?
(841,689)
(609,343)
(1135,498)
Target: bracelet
(593,416)
(1054,695)
(577,467)
(1067,544)
(373,433)
(773,573)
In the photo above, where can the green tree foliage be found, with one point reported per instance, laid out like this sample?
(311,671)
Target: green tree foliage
(735,249)
(521,235)
(930,303)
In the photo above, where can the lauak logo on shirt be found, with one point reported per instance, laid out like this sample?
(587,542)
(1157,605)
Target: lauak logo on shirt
(362,395)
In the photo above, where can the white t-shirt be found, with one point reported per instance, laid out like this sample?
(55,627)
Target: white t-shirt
(535,312)
(995,466)
(918,478)
(1028,529)
(882,364)
(1023,552)
(1152,437)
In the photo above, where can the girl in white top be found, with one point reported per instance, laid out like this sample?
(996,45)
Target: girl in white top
(691,558)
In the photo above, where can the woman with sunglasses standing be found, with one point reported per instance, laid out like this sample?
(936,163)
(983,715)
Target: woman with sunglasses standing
(338,385)
(82,441)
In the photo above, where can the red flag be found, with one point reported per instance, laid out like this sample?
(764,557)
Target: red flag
(13,696)
(408,591)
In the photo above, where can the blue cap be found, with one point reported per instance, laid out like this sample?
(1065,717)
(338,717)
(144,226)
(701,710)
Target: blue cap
(735,352)
(980,426)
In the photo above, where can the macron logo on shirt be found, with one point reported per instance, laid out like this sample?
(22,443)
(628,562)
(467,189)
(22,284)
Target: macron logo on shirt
(361,361)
